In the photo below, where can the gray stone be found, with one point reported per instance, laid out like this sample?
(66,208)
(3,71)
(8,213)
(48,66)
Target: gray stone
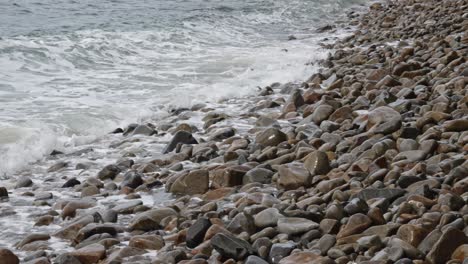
(295,225)
(230,246)
(182,137)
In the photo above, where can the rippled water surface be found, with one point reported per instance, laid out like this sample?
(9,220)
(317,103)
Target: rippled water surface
(72,70)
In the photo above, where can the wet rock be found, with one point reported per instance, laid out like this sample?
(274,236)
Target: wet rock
(108,172)
(44,220)
(151,220)
(66,258)
(3,193)
(90,254)
(181,137)
(57,166)
(194,182)
(295,225)
(197,231)
(31,238)
(127,207)
(71,183)
(222,133)
(230,246)
(317,163)
(280,250)
(294,175)
(270,137)
(132,179)
(144,130)
(7,257)
(151,242)
(24,182)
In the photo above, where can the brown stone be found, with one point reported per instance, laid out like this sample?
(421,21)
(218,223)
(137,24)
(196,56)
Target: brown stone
(7,257)
(293,175)
(152,242)
(443,249)
(356,224)
(194,182)
(300,257)
(461,253)
(317,163)
(412,234)
(228,177)
(90,254)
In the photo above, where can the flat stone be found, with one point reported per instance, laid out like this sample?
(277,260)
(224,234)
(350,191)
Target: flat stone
(33,237)
(151,242)
(267,217)
(458,125)
(255,260)
(300,257)
(295,225)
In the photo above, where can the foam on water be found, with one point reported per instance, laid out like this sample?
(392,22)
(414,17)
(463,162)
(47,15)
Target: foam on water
(86,68)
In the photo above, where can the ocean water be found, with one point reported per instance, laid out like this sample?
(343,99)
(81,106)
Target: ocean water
(71,71)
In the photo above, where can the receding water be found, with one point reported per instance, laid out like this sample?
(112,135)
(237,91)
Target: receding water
(72,70)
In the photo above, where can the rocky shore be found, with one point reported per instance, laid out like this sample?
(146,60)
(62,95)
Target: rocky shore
(365,162)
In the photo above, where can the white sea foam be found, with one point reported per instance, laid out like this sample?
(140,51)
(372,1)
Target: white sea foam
(61,89)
